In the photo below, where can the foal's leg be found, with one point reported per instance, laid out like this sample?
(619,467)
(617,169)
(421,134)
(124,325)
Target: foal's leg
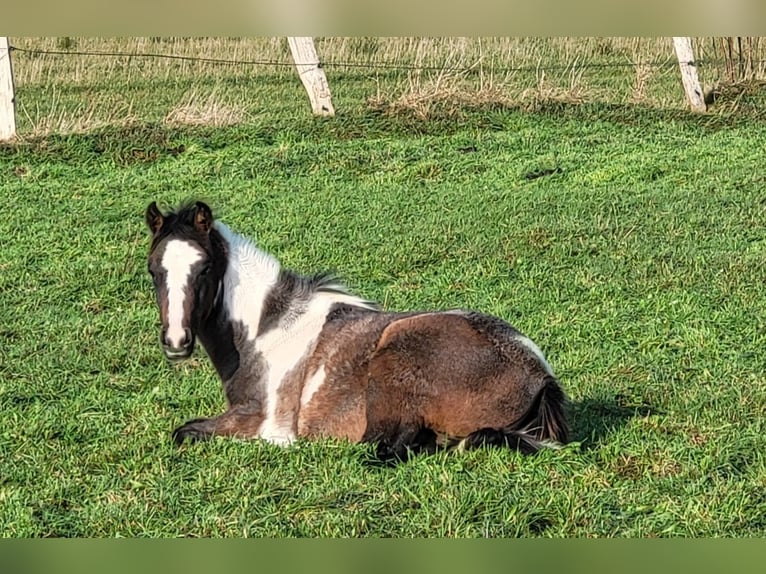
(407,440)
(237,421)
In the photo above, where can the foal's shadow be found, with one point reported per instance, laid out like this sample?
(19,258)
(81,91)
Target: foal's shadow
(594,419)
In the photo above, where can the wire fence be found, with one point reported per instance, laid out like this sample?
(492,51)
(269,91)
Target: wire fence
(383,65)
(217,75)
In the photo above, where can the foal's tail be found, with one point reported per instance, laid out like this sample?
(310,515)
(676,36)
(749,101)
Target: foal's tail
(544,424)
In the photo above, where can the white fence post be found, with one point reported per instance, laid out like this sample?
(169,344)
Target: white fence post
(683,46)
(7,97)
(311,74)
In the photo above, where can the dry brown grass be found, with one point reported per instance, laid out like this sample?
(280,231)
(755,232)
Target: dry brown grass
(642,78)
(62,116)
(211,109)
(730,98)
(493,57)
(547,91)
(78,70)
(437,99)
(446,91)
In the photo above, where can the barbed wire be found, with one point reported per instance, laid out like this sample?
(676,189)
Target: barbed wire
(376,65)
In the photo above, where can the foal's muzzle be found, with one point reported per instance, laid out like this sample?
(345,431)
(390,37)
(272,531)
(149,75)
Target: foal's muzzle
(180,352)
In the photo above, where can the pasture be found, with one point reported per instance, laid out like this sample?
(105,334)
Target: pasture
(626,240)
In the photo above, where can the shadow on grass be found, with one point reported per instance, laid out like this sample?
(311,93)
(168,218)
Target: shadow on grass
(594,419)
(145,142)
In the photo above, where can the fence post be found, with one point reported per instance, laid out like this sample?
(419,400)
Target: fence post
(311,74)
(7,98)
(683,46)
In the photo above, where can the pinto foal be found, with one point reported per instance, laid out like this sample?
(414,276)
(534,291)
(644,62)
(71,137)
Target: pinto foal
(299,356)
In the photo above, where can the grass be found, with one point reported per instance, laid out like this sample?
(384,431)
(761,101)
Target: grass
(636,263)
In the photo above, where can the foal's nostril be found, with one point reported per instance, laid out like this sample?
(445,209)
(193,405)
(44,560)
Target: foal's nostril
(187,338)
(164,337)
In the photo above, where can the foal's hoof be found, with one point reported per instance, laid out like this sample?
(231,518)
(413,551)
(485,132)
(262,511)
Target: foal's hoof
(404,447)
(388,455)
(191,432)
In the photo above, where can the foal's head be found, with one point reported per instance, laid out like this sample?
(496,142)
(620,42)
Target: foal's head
(187,261)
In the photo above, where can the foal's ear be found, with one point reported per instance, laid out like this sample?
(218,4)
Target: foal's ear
(203,217)
(154,219)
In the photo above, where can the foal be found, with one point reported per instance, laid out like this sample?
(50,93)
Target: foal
(299,356)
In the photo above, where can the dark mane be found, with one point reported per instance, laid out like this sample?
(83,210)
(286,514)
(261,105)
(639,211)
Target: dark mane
(324,283)
(330,283)
(293,291)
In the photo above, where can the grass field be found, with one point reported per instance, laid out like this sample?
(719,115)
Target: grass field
(637,265)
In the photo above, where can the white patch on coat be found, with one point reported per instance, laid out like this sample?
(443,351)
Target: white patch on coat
(530,344)
(177,261)
(313,384)
(283,348)
(250,276)
(276,434)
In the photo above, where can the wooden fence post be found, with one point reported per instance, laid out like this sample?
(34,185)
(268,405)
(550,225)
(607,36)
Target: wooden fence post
(311,74)
(683,46)
(7,97)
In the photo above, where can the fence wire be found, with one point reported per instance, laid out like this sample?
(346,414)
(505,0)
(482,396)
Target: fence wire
(376,65)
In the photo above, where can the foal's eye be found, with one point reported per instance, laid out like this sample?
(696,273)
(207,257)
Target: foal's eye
(204,271)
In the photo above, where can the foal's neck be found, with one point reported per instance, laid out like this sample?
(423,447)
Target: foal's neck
(250,275)
(278,312)
(216,334)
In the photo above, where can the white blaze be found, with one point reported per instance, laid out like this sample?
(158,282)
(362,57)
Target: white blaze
(177,261)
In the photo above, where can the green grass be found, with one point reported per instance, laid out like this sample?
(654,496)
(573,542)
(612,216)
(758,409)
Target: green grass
(638,269)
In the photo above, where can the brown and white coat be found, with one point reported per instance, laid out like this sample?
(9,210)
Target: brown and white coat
(301,357)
